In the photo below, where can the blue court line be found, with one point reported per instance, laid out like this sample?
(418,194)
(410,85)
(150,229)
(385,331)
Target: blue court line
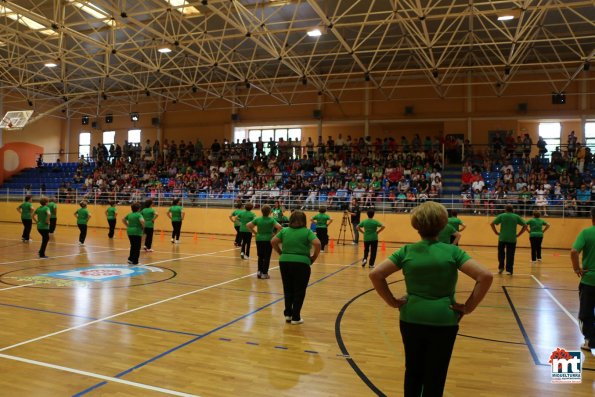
(173,349)
(95,318)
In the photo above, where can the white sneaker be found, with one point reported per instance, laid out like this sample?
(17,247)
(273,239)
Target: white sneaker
(30,240)
(508,273)
(246,257)
(177,241)
(81,244)
(287,319)
(297,322)
(364,261)
(539,260)
(149,250)
(242,255)
(172,241)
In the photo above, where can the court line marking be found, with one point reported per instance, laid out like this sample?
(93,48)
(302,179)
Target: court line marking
(97,376)
(556,301)
(16,286)
(62,256)
(57,243)
(131,310)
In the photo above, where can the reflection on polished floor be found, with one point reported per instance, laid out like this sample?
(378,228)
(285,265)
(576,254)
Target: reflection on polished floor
(196,321)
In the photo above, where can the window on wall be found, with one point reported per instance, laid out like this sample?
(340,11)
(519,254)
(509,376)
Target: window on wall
(590,136)
(134,136)
(550,132)
(266,133)
(109,138)
(85,144)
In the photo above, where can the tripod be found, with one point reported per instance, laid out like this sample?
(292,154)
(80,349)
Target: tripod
(345,224)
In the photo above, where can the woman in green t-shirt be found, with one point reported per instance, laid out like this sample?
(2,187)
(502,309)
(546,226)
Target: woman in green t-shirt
(537,228)
(41,216)
(236,223)
(176,214)
(82,217)
(295,260)
(266,225)
(244,217)
(322,221)
(370,228)
(25,209)
(135,223)
(149,215)
(429,314)
(111,214)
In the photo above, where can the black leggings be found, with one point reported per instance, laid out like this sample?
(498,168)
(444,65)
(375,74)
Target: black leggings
(295,277)
(177,228)
(238,240)
(135,242)
(373,245)
(264,249)
(83,233)
(535,247)
(586,315)
(27,223)
(246,242)
(506,251)
(322,234)
(112,227)
(45,237)
(53,222)
(427,355)
(149,239)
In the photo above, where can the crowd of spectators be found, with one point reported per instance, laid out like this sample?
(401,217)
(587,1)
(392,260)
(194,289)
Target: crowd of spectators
(515,171)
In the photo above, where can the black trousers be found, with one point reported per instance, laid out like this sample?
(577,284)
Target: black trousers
(149,239)
(295,277)
(45,237)
(238,240)
(27,223)
(246,242)
(135,242)
(535,247)
(427,356)
(264,249)
(586,316)
(322,234)
(112,227)
(372,247)
(506,250)
(177,228)
(53,222)
(83,233)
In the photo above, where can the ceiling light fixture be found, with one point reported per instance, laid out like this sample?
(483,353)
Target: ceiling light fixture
(316,32)
(164,49)
(183,7)
(28,22)
(51,64)
(508,15)
(94,11)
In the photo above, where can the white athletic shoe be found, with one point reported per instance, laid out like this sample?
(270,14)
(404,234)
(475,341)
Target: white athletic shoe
(177,241)
(297,322)
(81,244)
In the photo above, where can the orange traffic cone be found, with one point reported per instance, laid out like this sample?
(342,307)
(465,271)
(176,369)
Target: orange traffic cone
(383,246)
(195,237)
(211,237)
(120,233)
(162,235)
(332,245)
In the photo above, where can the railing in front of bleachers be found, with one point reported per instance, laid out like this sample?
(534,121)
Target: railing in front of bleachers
(334,202)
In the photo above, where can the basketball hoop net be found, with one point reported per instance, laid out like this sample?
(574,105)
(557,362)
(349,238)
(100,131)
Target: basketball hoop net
(16,119)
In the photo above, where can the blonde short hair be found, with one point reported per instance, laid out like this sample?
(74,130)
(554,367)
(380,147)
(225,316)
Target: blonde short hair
(429,219)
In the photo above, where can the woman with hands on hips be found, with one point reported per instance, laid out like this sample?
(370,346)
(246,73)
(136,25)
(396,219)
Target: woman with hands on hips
(429,314)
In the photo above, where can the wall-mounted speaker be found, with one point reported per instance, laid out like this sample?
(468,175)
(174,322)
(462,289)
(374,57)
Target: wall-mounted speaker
(109,118)
(522,107)
(558,98)
(85,120)
(155,122)
(235,117)
(409,110)
(94,125)
(317,114)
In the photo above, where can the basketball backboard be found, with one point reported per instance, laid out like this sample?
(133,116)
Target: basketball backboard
(16,119)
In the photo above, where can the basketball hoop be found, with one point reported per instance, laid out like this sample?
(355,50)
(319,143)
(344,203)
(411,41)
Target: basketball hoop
(16,119)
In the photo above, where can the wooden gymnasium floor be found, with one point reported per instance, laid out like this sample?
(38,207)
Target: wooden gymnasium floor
(198,322)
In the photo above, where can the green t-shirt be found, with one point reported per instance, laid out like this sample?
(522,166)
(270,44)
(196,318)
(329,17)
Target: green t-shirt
(236,212)
(277,213)
(135,227)
(536,227)
(53,207)
(455,222)
(585,243)
(176,213)
(111,213)
(296,244)
(26,208)
(430,270)
(245,217)
(265,227)
(509,221)
(321,220)
(370,227)
(445,233)
(43,218)
(148,215)
(82,216)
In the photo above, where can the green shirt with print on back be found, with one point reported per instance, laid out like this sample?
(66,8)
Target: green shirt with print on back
(135,227)
(111,213)
(176,213)
(82,216)
(536,227)
(370,227)
(585,243)
(431,270)
(508,230)
(296,244)
(322,220)
(43,218)
(245,217)
(53,209)
(148,215)
(235,214)
(265,226)
(26,209)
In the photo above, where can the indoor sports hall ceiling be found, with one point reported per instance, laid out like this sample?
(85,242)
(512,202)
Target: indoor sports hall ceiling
(231,53)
